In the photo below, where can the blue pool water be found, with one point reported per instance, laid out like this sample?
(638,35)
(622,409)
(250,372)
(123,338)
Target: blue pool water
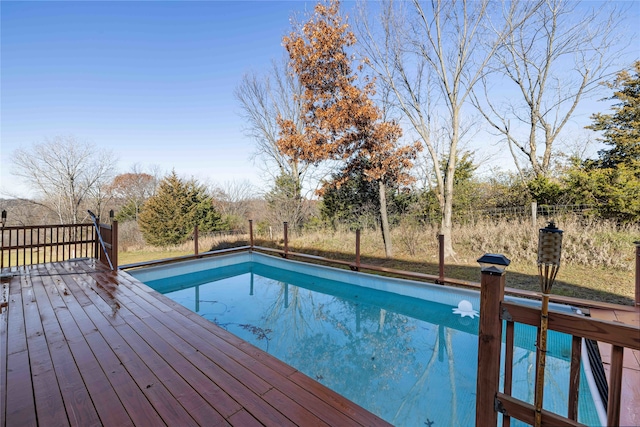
(400,352)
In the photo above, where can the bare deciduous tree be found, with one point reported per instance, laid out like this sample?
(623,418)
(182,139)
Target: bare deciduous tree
(263,100)
(233,199)
(133,189)
(431,55)
(70,175)
(541,72)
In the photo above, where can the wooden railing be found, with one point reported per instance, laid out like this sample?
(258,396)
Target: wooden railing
(110,239)
(493,311)
(26,245)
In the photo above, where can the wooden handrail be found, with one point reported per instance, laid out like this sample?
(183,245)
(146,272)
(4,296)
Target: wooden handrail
(615,333)
(34,244)
(21,246)
(619,335)
(526,412)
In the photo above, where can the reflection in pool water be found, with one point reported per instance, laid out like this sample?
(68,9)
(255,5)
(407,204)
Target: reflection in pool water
(411,361)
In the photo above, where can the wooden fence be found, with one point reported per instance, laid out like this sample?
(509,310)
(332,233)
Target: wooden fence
(26,245)
(490,401)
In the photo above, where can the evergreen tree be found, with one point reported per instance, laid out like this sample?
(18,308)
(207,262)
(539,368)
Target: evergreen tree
(353,202)
(612,181)
(169,217)
(621,130)
(285,203)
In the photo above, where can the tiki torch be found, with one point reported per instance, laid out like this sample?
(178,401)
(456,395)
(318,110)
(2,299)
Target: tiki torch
(549,249)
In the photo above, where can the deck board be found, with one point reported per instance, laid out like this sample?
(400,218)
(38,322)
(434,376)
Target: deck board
(4,294)
(81,345)
(47,394)
(20,404)
(60,331)
(630,399)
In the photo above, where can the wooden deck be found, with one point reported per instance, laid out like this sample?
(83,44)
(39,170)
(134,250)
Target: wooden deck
(630,407)
(83,346)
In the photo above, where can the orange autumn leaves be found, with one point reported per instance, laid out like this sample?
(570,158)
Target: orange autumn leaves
(340,121)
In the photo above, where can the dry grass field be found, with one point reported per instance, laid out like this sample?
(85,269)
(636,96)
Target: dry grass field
(597,259)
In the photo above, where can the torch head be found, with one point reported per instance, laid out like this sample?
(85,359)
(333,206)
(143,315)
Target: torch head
(549,245)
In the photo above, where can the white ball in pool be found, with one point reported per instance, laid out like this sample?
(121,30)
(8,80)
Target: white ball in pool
(465,306)
(465,309)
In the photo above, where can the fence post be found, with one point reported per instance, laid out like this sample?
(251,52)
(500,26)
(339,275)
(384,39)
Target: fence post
(251,234)
(489,342)
(195,240)
(357,267)
(637,273)
(441,258)
(286,239)
(534,218)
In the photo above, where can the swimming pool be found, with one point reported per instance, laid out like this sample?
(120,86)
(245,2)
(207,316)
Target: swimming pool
(396,347)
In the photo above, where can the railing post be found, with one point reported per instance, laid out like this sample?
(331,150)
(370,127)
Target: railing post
(195,239)
(489,342)
(114,244)
(441,258)
(96,244)
(357,267)
(251,233)
(637,273)
(3,221)
(286,239)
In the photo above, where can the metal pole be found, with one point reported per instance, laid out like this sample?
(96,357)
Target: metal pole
(489,343)
(441,258)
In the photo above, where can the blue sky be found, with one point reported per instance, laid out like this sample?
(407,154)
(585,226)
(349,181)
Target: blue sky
(151,80)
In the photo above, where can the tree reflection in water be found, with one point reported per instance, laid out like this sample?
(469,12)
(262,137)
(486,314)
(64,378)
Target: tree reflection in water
(391,363)
(410,361)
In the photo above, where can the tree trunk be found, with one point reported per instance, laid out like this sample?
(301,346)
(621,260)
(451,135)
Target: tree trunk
(447,212)
(384,219)
(445,228)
